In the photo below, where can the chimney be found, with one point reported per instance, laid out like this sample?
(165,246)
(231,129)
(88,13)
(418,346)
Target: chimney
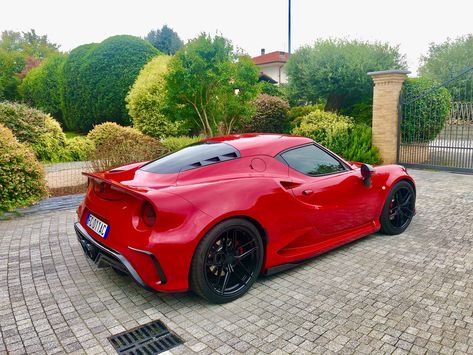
(263,51)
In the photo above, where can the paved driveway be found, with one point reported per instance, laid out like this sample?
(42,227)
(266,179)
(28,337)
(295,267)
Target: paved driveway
(408,293)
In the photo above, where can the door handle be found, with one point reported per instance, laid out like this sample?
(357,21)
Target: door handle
(307,192)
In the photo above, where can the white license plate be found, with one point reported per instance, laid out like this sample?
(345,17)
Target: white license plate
(99,227)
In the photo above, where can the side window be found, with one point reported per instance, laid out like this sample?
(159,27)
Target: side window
(311,160)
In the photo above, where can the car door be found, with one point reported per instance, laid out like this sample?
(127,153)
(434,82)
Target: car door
(333,193)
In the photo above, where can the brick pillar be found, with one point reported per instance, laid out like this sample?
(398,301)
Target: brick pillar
(387,88)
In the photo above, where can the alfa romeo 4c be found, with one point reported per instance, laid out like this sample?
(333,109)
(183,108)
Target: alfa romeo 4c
(213,216)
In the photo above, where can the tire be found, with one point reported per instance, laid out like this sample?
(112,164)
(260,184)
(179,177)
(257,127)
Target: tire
(399,209)
(227,261)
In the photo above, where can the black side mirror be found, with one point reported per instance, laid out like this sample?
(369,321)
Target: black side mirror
(366,172)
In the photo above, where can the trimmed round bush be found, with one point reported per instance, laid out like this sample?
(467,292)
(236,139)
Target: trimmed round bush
(172,144)
(79,148)
(21,176)
(270,116)
(97,78)
(146,101)
(326,128)
(340,134)
(116,145)
(104,132)
(426,110)
(42,86)
(35,128)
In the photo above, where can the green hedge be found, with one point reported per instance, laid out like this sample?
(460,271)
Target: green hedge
(21,176)
(42,86)
(39,130)
(97,78)
(426,110)
(339,134)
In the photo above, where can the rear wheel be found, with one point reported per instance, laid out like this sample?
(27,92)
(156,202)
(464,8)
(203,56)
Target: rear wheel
(227,261)
(398,209)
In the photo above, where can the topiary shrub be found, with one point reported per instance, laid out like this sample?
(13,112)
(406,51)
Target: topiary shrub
(426,110)
(270,115)
(340,135)
(21,176)
(97,78)
(116,145)
(79,148)
(146,101)
(42,86)
(39,130)
(172,144)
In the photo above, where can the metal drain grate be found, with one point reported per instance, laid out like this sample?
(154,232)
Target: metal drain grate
(148,339)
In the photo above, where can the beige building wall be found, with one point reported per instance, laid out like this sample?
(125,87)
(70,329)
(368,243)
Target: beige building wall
(275,71)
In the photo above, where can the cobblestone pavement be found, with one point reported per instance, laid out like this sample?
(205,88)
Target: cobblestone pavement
(408,293)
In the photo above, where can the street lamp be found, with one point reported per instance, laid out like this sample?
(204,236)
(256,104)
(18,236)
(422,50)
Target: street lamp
(289,29)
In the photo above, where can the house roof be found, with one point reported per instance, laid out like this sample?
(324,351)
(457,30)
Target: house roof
(273,57)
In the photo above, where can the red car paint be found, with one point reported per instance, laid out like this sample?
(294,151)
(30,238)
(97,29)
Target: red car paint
(294,225)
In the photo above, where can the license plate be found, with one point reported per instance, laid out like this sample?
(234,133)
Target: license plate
(99,227)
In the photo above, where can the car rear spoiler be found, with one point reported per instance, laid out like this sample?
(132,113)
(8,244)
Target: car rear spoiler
(138,192)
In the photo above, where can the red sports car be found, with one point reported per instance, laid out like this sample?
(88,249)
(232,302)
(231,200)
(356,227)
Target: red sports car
(214,215)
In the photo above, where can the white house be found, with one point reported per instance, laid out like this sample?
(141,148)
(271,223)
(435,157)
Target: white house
(272,66)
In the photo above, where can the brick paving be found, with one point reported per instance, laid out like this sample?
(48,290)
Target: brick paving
(411,293)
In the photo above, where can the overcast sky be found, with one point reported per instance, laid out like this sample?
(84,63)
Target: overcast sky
(249,24)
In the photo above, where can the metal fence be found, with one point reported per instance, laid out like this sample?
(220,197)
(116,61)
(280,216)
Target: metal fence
(436,125)
(66,178)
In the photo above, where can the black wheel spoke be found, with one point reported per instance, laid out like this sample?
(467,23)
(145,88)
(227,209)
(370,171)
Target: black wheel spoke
(243,267)
(225,281)
(246,253)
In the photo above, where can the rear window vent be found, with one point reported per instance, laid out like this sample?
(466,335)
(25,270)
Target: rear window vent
(228,156)
(192,157)
(213,160)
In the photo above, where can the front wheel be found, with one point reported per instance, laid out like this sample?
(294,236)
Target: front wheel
(227,261)
(398,209)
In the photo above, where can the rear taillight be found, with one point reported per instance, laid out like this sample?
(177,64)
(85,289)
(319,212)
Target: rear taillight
(148,214)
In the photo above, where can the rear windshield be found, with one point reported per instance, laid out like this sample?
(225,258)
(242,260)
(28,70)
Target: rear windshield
(191,157)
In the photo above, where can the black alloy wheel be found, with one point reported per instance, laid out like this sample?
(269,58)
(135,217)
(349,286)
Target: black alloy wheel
(399,208)
(227,261)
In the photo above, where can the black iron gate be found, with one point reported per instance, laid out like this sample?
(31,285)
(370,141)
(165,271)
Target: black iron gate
(436,124)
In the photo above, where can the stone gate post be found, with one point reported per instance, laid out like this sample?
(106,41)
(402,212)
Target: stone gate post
(386,92)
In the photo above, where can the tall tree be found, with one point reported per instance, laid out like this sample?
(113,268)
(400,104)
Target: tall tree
(166,40)
(19,53)
(212,85)
(334,71)
(447,59)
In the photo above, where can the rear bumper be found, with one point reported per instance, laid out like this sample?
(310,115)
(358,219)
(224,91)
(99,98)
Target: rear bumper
(104,256)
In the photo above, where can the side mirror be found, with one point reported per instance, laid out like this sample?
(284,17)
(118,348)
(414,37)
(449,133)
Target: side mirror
(366,172)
